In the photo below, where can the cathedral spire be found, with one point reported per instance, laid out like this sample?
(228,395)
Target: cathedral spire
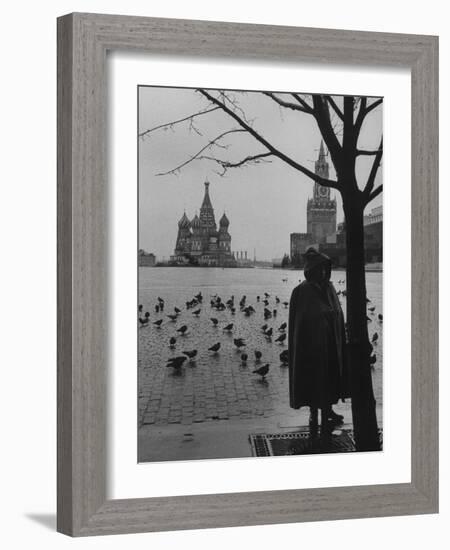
(206,200)
(207,210)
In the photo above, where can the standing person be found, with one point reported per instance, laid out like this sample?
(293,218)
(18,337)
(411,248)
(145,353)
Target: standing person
(318,374)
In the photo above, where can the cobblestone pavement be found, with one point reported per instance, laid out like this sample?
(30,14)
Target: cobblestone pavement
(220,386)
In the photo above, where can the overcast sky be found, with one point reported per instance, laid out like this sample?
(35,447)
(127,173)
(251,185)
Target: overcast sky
(264,202)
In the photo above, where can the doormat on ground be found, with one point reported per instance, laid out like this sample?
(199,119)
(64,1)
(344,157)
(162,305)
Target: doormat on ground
(300,443)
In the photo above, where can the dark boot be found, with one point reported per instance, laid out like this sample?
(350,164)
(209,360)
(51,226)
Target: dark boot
(326,427)
(313,423)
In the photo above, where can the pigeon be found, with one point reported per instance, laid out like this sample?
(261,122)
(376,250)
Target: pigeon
(229,327)
(239,342)
(177,310)
(244,358)
(277,300)
(285,304)
(191,354)
(375,337)
(268,332)
(262,371)
(157,308)
(284,357)
(281,338)
(172,341)
(266,302)
(173,317)
(146,318)
(258,355)
(267,295)
(380,317)
(258,298)
(182,329)
(176,362)
(368,319)
(196,312)
(282,327)
(158,322)
(274,312)
(372,359)
(264,328)
(140,307)
(214,321)
(215,348)
(143,321)
(372,309)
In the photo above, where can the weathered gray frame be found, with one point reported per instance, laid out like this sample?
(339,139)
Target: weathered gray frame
(83,40)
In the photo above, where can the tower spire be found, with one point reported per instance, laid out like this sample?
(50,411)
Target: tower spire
(321,151)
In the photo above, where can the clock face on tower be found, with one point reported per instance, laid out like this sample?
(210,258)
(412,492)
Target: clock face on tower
(323,191)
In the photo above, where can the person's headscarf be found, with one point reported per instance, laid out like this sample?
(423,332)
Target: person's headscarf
(314,261)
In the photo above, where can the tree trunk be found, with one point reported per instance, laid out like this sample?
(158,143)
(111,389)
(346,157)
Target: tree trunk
(363,401)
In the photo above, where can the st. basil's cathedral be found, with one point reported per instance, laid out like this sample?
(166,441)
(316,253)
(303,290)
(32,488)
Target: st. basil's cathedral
(199,242)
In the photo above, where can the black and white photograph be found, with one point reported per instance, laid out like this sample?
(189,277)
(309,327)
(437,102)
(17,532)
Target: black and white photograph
(260,273)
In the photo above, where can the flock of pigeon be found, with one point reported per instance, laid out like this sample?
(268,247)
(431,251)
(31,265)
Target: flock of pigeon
(196,307)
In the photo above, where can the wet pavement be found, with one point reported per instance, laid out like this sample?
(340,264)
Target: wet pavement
(215,391)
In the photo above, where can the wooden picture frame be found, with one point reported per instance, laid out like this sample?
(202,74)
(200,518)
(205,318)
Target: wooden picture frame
(83,41)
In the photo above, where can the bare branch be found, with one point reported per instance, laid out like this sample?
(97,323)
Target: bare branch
(251,159)
(373,105)
(364,110)
(286,104)
(237,107)
(366,152)
(336,109)
(213,142)
(288,160)
(322,116)
(303,103)
(360,117)
(375,193)
(368,189)
(169,124)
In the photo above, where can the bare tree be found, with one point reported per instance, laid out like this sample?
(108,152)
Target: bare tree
(340,127)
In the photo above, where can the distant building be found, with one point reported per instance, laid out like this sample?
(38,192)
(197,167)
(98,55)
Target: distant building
(198,240)
(242,259)
(320,215)
(321,226)
(321,209)
(373,240)
(373,235)
(146,259)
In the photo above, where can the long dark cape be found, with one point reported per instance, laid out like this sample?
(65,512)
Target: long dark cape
(318,373)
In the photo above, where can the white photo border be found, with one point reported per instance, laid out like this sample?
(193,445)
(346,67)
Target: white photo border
(127,478)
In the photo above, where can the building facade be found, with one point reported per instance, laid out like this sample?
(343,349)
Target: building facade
(199,242)
(146,259)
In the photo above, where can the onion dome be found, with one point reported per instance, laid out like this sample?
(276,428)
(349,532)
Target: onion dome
(184,221)
(196,221)
(224,221)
